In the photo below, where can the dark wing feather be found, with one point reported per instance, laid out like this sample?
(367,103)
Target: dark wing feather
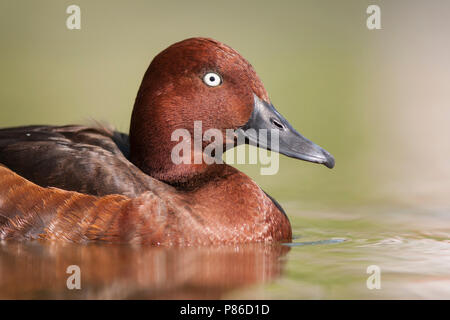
(122,141)
(75,158)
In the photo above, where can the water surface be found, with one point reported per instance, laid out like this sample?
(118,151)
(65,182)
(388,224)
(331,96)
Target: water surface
(328,259)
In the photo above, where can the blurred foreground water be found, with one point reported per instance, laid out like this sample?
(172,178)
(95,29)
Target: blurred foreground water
(328,259)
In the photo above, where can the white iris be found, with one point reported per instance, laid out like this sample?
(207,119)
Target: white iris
(212,79)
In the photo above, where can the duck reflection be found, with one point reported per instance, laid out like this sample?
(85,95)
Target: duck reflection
(38,270)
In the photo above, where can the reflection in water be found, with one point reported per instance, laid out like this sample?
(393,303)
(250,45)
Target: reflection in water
(38,270)
(311,243)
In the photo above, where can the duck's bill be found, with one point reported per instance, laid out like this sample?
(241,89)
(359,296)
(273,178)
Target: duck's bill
(280,136)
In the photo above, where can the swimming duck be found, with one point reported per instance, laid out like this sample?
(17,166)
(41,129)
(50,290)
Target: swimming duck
(82,184)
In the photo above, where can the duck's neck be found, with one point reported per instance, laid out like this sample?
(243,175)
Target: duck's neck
(151,151)
(182,176)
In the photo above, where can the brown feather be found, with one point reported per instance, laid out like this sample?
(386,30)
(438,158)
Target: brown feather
(204,216)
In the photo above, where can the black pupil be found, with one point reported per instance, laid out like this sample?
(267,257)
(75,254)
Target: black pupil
(212,78)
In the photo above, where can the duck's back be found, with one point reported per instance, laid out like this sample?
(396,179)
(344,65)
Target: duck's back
(76,158)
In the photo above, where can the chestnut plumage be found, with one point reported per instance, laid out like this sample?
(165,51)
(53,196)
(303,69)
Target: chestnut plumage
(82,184)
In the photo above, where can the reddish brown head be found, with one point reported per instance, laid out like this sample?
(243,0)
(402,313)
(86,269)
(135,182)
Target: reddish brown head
(174,87)
(197,79)
(174,94)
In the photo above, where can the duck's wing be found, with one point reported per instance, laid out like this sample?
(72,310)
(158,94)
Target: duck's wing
(28,211)
(76,158)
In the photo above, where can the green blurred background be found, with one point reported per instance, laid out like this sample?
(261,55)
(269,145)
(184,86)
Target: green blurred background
(378,100)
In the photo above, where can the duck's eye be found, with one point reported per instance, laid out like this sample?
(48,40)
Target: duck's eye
(212,79)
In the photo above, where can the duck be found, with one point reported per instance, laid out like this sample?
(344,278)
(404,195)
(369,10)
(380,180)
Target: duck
(95,184)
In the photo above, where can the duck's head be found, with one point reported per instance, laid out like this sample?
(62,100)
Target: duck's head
(201,79)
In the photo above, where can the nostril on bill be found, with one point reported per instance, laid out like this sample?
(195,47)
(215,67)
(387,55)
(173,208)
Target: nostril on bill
(277,124)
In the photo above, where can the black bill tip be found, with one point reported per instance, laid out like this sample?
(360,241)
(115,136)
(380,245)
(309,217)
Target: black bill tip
(329,162)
